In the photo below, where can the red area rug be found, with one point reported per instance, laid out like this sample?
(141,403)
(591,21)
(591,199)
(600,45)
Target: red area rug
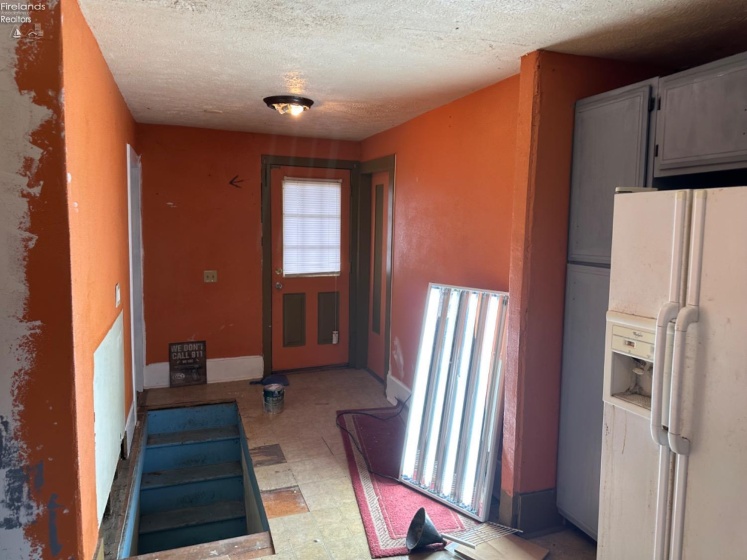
(386,506)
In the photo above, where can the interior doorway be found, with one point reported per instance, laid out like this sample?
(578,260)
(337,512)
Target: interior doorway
(377,185)
(365,326)
(134,181)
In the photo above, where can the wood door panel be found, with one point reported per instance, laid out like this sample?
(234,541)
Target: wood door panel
(328,316)
(294,319)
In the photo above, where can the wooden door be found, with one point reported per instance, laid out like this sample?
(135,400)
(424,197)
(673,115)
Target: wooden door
(377,360)
(310,309)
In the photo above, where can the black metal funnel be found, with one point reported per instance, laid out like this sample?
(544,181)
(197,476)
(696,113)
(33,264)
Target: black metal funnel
(422,532)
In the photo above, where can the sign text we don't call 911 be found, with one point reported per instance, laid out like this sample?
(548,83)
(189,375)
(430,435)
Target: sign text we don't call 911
(187,363)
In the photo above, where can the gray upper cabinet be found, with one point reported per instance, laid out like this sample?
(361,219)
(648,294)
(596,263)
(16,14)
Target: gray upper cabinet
(702,121)
(610,149)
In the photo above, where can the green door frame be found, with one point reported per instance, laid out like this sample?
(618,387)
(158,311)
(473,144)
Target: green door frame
(367,170)
(359,255)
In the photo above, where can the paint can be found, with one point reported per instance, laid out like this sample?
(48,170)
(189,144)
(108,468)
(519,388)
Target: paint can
(273,398)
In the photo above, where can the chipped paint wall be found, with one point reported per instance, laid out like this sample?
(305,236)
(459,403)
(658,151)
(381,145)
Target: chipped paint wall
(452,209)
(98,127)
(38,467)
(193,220)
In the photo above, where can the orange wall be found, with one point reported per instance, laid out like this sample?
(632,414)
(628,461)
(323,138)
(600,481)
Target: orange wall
(551,83)
(452,214)
(193,220)
(98,125)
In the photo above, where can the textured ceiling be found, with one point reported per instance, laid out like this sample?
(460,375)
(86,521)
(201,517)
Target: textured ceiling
(370,65)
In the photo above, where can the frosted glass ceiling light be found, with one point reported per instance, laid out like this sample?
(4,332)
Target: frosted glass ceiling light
(451,439)
(288,104)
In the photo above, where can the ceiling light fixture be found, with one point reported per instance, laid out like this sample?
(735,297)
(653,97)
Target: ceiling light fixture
(292,104)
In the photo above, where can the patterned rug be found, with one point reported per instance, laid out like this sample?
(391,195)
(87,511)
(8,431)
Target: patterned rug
(386,506)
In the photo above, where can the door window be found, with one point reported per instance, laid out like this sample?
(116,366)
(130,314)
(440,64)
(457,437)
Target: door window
(311,227)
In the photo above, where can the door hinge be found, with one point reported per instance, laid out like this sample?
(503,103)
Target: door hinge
(658,103)
(656,150)
(651,104)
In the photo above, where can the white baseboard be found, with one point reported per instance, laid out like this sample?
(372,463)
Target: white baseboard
(130,426)
(218,371)
(396,390)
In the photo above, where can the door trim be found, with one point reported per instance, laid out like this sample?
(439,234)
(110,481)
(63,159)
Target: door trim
(268,162)
(385,164)
(137,305)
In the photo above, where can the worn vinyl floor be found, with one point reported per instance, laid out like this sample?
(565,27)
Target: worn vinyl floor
(301,467)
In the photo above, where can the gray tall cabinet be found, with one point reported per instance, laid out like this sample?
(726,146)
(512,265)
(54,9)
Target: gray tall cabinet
(683,130)
(610,149)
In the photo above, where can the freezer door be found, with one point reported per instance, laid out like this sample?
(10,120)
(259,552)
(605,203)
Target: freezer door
(714,398)
(649,236)
(627,506)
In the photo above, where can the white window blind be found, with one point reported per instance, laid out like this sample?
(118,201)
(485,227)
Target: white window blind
(311,227)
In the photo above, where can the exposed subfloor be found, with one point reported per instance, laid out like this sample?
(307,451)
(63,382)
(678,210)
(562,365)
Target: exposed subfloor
(309,497)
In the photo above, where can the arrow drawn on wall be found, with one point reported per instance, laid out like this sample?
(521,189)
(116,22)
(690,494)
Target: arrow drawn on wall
(235,182)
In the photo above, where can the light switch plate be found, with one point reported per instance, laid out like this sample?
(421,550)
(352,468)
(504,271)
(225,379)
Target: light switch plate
(210,276)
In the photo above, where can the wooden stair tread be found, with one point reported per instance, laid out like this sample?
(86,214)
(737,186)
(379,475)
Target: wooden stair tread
(246,547)
(192,436)
(189,517)
(187,475)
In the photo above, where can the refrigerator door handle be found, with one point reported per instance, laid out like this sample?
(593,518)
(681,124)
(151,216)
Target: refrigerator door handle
(686,317)
(679,445)
(667,313)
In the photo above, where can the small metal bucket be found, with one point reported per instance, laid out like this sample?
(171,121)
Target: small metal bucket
(273,398)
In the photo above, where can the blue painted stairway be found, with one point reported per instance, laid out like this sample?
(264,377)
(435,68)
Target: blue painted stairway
(197,484)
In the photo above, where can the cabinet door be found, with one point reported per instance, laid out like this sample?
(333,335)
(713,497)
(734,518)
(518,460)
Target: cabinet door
(610,150)
(581,407)
(702,122)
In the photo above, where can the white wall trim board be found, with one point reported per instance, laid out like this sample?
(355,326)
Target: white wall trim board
(130,426)
(135,237)
(218,370)
(395,390)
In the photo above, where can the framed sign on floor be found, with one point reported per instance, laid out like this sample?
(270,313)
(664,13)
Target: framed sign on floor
(187,363)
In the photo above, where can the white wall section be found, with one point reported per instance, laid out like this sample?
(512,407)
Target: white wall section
(218,371)
(108,408)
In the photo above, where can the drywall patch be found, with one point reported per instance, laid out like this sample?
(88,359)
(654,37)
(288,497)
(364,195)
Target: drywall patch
(19,160)
(108,408)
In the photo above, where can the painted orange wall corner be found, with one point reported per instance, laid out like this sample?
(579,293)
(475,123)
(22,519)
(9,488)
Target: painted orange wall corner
(453,203)
(551,83)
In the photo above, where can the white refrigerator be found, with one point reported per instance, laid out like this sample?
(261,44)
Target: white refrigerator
(674,452)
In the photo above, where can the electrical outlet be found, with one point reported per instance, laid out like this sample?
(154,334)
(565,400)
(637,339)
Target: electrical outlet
(117,295)
(210,276)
